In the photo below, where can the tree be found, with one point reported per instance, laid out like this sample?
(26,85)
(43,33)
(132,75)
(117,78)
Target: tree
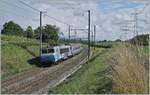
(105,41)
(140,39)
(118,40)
(29,32)
(49,33)
(11,28)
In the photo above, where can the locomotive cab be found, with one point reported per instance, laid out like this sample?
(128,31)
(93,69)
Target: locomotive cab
(57,53)
(47,55)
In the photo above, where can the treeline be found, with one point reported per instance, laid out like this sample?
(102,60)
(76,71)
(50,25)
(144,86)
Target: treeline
(67,41)
(140,39)
(50,32)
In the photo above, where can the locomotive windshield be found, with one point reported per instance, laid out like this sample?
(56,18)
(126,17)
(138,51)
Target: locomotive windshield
(50,50)
(44,51)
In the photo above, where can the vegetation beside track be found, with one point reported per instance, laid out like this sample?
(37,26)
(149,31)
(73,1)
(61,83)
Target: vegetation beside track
(129,69)
(17,39)
(91,78)
(15,54)
(106,44)
(146,49)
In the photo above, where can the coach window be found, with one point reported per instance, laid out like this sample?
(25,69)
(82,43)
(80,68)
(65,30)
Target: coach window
(64,50)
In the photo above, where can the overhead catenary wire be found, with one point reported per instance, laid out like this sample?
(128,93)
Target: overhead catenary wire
(11,11)
(82,15)
(14,5)
(141,11)
(70,7)
(16,14)
(57,20)
(136,13)
(45,14)
(29,6)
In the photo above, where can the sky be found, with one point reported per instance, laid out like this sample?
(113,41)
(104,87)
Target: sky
(111,17)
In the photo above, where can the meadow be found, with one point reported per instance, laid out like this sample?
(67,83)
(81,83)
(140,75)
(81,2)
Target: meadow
(115,70)
(91,78)
(16,52)
(129,69)
(108,72)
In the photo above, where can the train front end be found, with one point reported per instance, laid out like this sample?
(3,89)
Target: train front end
(48,55)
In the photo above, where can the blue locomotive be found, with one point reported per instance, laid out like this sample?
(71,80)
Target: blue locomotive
(58,53)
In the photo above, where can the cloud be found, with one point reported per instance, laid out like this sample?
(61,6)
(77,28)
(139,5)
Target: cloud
(107,6)
(104,14)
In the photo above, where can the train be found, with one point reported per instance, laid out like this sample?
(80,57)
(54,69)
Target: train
(59,53)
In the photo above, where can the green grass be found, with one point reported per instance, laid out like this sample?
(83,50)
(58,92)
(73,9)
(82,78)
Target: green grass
(106,43)
(146,49)
(14,60)
(90,79)
(14,54)
(17,39)
(146,55)
(34,49)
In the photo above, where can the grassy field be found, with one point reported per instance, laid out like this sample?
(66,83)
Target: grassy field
(129,69)
(15,54)
(91,78)
(146,49)
(107,43)
(17,39)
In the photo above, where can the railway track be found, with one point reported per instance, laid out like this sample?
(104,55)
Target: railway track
(35,80)
(20,76)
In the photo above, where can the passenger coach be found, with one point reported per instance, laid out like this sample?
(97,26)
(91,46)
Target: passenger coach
(58,53)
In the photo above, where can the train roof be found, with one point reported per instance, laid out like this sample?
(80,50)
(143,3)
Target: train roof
(62,46)
(58,46)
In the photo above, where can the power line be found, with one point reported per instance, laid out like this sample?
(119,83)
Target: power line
(79,29)
(9,11)
(73,7)
(66,3)
(69,5)
(57,20)
(14,13)
(13,5)
(29,6)
(18,14)
(141,11)
(45,14)
(136,19)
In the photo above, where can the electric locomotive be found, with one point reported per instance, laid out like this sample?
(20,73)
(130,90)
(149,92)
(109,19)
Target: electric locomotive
(58,53)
